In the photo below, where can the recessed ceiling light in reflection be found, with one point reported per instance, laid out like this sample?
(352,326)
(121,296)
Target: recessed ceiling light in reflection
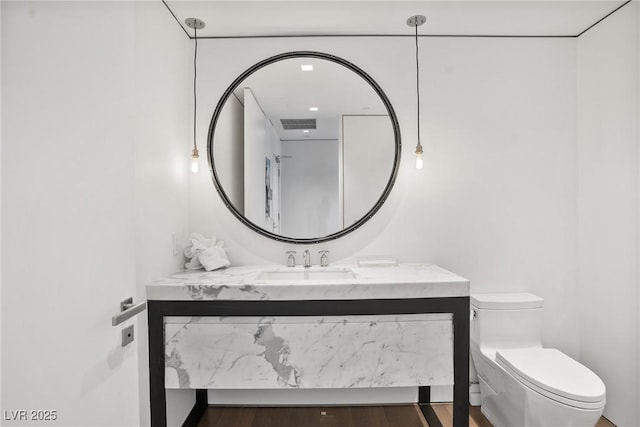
(306,67)
(305,131)
(313,108)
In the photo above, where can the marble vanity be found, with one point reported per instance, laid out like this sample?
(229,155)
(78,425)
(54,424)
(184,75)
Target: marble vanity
(268,327)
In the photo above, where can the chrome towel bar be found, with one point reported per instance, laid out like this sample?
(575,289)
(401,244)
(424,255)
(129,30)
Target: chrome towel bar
(127,311)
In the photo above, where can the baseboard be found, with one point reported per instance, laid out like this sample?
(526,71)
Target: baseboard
(373,396)
(474,394)
(277,397)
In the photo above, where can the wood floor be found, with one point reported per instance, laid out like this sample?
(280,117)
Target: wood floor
(476,419)
(339,416)
(332,416)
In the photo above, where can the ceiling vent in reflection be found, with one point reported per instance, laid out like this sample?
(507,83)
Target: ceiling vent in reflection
(297,124)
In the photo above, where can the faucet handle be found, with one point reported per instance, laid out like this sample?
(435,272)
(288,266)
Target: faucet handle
(291,259)
(324,259)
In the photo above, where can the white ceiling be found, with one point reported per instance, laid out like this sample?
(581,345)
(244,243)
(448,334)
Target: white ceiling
(284,91)
(295,18)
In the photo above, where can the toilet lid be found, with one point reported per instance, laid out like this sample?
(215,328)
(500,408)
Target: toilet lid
(554,374)
(506,301)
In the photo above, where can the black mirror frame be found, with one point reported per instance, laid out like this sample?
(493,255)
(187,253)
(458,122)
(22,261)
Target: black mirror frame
(304,54)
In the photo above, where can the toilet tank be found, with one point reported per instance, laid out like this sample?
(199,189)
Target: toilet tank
(506,320)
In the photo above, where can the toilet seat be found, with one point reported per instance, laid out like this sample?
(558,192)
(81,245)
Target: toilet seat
(554,375)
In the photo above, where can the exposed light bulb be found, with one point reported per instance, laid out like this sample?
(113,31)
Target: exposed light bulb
(419,162)
(194,161)
(415,21)
(195,24)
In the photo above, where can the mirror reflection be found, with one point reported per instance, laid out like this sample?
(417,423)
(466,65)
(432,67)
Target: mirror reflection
(303,148)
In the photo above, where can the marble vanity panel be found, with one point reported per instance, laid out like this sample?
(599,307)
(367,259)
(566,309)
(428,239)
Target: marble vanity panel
(308,352)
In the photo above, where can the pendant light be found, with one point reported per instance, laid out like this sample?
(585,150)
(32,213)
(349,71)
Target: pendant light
(196,24)
(415,21)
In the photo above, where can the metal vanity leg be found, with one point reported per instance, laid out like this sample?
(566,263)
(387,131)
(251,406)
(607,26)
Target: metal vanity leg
(461,363)
(198,410)
(157,394)
(424,402)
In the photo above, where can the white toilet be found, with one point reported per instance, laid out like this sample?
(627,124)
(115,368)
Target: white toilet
(521,383)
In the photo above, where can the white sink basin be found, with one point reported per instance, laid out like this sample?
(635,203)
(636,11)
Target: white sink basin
(300,275)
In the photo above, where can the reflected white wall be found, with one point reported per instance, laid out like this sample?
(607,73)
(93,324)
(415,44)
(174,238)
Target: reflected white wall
(261,148)
(310,188)
(229,152)
(367,156)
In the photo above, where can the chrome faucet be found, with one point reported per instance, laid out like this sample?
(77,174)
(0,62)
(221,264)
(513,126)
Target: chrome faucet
(306,256)
(324,259)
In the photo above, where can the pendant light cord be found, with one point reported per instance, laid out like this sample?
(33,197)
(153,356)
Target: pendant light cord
(195,77)
(418,84)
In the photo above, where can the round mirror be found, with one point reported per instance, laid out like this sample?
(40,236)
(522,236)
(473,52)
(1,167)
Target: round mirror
(304,147)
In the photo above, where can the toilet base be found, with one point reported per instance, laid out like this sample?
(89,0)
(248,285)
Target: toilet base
(517,405)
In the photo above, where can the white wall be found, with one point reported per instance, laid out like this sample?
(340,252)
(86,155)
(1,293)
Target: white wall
(497,199)
(1,215)
(608,245)
(95,148)
(310,188)
(163,139)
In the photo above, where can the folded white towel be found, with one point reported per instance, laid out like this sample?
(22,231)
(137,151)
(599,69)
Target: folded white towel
(207,253)
(190,250)
(193,264)
(213,258)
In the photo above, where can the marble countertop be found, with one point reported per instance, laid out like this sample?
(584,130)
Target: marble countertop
(245,283)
